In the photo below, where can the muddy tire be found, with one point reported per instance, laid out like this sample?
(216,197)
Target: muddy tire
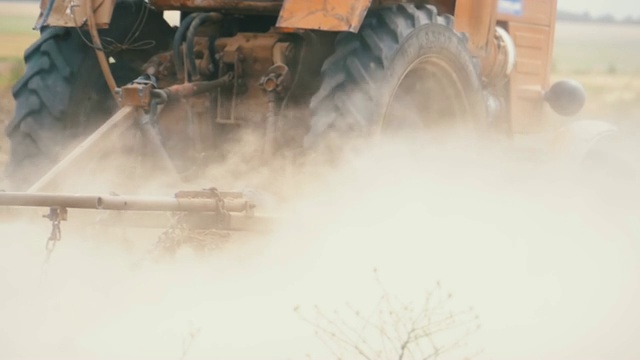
(399,51)
(63,95)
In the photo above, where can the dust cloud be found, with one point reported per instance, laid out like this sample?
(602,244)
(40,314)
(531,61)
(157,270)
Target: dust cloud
(546,259)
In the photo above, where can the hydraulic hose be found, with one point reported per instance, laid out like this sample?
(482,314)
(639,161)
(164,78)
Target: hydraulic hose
(200,19)
(177,40)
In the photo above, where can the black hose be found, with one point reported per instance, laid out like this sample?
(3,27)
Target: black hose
(201,19)
(177,40)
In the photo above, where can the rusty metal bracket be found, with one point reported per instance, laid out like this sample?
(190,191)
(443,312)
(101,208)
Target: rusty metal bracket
(276,82)
(138,93)
(230,55)
(277,79)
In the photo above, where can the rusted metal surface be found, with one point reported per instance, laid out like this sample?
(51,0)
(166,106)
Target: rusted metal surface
(233,6)
(67,13)
(140,95)
(186,90)
(160,66)
(136,95)
(328,15)
(248,56)
(115,126)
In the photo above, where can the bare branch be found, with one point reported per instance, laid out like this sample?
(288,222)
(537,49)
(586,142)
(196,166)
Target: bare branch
(400,329)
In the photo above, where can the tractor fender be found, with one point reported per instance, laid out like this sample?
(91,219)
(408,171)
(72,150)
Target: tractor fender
(327,15)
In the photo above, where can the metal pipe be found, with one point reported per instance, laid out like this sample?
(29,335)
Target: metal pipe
(186,90)
(47,200)
(120,203)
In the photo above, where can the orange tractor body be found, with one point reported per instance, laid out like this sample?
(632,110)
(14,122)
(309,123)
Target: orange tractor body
(529,23)
(304,75)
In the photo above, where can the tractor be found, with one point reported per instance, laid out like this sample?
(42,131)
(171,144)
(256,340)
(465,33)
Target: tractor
(295,77)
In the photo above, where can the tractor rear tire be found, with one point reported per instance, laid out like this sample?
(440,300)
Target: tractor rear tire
(63,95)
(399,51)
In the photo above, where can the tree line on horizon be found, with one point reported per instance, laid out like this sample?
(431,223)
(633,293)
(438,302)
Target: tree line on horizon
(587,17)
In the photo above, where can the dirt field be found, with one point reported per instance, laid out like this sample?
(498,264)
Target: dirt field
(548,261)
(16,24)
(604,58)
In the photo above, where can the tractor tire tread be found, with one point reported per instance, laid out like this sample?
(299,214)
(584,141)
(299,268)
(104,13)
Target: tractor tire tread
(359,60)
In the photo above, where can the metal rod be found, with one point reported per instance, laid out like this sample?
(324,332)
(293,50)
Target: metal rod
(186,90)
(120,203)
(97,45)
(271,125)
(121,121)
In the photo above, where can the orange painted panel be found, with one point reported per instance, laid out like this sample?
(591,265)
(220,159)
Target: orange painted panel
(476,18)
(530,77)
(328,15)
(531,24)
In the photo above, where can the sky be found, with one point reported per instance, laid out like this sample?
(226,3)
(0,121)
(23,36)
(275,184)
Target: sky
(619,8)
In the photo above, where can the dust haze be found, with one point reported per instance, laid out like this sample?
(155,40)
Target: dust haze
(545,257)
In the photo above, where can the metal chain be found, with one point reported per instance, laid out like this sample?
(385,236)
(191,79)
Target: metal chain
(56,215)
(179,234)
